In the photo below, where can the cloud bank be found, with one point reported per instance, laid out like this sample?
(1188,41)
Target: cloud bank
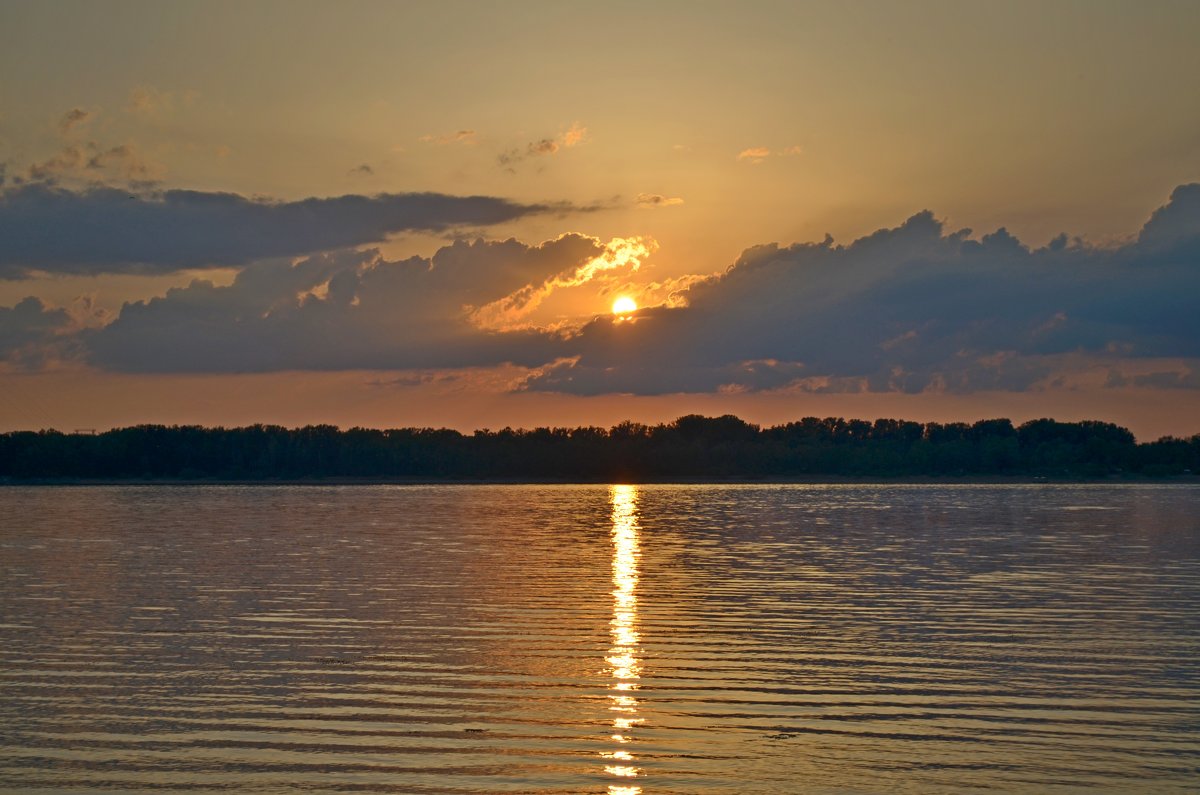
(104,230)
(915,308)
(912,308)
(344,311)
(28,330)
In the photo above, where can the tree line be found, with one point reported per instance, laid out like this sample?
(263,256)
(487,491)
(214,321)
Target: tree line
(690,447)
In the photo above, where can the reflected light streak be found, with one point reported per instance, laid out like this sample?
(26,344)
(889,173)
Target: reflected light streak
(624,664)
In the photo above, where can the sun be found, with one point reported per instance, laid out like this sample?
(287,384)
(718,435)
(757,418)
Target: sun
(624,305)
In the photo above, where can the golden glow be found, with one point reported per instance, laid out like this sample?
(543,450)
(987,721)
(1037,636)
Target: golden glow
(513,310)
(625,666)
(624,305)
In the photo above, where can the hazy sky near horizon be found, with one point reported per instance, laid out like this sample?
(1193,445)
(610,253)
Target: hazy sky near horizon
(420,214)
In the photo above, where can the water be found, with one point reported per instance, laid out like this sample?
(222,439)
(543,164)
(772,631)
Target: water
(595,639)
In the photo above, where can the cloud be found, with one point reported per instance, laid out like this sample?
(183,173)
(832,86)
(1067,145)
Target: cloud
(346,310)
(619,254)
(1183,378)
(69,159)
(105,230)
(126,161)
(754,154)
(363,170)
(88,162)
(74,118)
(573,136)
(1174,223)
(27,331)
(666,292)
(457,137)
(911,309)
(412,379)
(91,161)
(651,200)
(759,154)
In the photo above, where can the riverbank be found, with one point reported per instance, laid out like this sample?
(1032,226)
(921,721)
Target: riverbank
(816,480)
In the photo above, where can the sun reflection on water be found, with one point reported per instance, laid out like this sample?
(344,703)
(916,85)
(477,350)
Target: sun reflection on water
(624,664)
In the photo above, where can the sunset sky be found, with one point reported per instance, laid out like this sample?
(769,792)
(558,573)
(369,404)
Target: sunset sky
(422,214)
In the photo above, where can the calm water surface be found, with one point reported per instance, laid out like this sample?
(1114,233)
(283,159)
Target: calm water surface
(597,639)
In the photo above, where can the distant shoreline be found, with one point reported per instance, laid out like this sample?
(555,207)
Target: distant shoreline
(999,480)
(692,449)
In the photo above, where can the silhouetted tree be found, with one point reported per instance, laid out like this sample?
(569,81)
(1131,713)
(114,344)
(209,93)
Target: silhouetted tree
(691,446)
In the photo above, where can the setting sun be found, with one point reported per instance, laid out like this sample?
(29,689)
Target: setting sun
(624,305)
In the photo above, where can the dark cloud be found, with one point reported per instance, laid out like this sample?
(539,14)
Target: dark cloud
(420,378)
(509,158)
(342,311)
(362,170)
(910,309)
(72,119)
(1176,222)
(27,329)
(97,230)
(907,309)
(1157,380)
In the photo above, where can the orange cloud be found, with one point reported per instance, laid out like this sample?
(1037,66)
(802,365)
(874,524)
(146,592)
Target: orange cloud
(90,160)
(757,154)
(573,136)
(652,200)
(619,253)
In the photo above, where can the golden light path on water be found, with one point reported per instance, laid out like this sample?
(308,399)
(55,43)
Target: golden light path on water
(623,661)
(465,639)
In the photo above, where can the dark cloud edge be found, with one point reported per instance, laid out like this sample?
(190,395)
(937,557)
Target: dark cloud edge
(744,328)
(46,228)
(911,308)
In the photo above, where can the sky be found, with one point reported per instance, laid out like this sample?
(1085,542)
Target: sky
(421,214)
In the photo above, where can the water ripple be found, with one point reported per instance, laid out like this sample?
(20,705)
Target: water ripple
(625,640)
